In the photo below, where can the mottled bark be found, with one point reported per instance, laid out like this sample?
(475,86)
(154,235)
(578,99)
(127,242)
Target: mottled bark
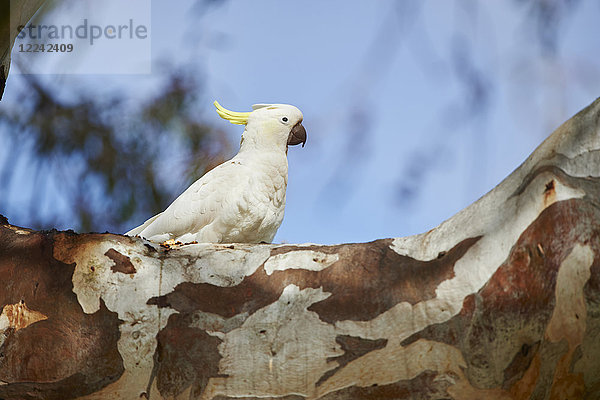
(502,301)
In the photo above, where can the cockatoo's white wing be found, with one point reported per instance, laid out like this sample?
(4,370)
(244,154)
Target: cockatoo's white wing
(199,206)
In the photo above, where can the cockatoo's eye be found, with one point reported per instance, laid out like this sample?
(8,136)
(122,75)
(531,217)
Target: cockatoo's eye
(284,119)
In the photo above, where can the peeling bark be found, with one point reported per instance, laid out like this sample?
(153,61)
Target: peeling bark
(502,301)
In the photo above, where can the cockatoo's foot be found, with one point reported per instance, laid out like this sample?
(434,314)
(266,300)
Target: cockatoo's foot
(171,243)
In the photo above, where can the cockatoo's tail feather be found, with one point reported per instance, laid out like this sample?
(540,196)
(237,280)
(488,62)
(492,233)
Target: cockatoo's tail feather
(235,117)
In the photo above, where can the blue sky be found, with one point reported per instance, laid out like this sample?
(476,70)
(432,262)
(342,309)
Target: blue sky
(385,105)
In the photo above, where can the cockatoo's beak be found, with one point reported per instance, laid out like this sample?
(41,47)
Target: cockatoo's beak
(297,135)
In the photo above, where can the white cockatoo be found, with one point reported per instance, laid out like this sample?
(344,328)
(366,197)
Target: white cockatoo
(241,200)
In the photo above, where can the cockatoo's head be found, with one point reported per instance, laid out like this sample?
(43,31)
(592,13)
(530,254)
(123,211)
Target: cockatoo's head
(277,124)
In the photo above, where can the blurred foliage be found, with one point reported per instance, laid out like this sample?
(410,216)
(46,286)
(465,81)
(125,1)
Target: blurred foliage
(548,17)
(109,162)
(543,23)
(462,63)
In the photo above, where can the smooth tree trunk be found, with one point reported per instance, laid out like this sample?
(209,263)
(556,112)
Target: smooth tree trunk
(502,301)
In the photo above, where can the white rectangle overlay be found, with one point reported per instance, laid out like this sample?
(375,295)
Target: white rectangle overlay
(83,37)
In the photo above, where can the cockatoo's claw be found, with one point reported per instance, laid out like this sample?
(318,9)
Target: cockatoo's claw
(171,243)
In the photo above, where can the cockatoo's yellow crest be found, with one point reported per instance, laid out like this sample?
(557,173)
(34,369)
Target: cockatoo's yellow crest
(238,118)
